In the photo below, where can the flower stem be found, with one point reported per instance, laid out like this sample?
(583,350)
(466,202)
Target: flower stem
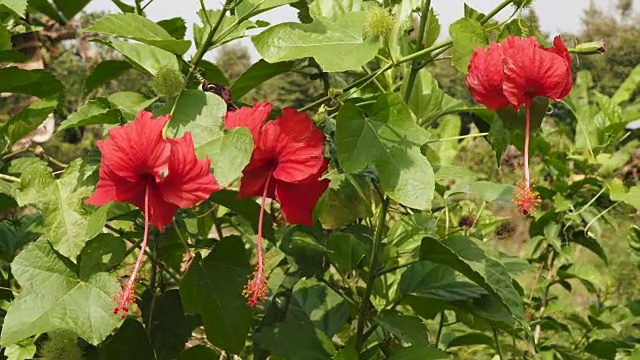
(257,287)
(373,271)
(527,177)
(197,58)
(128,295)
(416,66)
(9,177)
(497,340)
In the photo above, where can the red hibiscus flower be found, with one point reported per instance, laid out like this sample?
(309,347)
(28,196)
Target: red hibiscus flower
(286,165)
(157,175)
(514,72)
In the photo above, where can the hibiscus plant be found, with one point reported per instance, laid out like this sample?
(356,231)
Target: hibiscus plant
(204,225)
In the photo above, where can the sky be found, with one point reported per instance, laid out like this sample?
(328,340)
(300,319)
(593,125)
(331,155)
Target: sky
(555,15)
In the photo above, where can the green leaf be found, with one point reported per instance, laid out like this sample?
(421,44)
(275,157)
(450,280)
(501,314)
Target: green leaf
(21,351)
(198,352)
(94,112)
(247,208)
(62,204)
(103,73)
(488,191)
(324,307)
(69,8)
(606,349)
(39,83)
(27,120)
(145,58)
(589,242)
(418,352)
(407,177)
(466,35)
(346,251)
(362,138)
(389,139)
(18,233)
(129,343)
(617,192)
(257,74)
(337,45)
(428,102)
(212,287)
(18,7)
(199,112)
(171,328)
(332,9)
(345,201)
(125,8)
(467,257)
(139,28)
(45,7)
(628,87)
(130,102)
(229,154)
(176,27)
(409,329)
(471,339)
(295,337)
(5,40)
(213,74)
(53,298)
(435,281)
(250,8)
(101,254)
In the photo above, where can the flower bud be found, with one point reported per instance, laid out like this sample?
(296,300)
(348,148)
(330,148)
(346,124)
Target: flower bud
(167,82)
(590,48)
(379,22)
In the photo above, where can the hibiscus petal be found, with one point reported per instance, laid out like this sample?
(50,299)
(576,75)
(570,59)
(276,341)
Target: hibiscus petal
(160,211)
(136,148)
(485,77)
(295,143)
(189,180)
(298,200)
(530,71)
(254,177)
(112,187)
(250,117)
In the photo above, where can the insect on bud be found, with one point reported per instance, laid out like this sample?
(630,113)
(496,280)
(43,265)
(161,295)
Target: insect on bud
(590,48)
(167,82)
(379,22)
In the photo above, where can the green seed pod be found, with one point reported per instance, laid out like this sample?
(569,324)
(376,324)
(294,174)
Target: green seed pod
(61,345)
(379,22)
(167,82)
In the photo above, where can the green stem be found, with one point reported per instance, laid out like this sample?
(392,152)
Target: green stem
(440,327)
(497,340)
(9,177)
(204,47)
(148,252)
(458,137)
(373,264)
(495,11)
(415,68)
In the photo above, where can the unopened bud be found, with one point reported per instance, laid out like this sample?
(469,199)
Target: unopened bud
(590,48)
(379,22)
(167,82)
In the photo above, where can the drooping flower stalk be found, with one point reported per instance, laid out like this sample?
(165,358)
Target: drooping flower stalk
(256,289)
(526,198)
(127,295)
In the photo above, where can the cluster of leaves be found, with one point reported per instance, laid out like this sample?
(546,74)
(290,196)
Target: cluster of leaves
(384,272)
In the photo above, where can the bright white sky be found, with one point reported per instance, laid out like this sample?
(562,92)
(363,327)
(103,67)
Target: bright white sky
(555,15)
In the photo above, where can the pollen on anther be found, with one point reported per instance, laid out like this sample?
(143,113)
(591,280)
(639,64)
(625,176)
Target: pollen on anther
(256,289)
(526,199)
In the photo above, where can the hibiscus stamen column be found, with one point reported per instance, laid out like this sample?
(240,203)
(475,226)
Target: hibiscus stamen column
(526,198)
(256,289)
(127,296)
